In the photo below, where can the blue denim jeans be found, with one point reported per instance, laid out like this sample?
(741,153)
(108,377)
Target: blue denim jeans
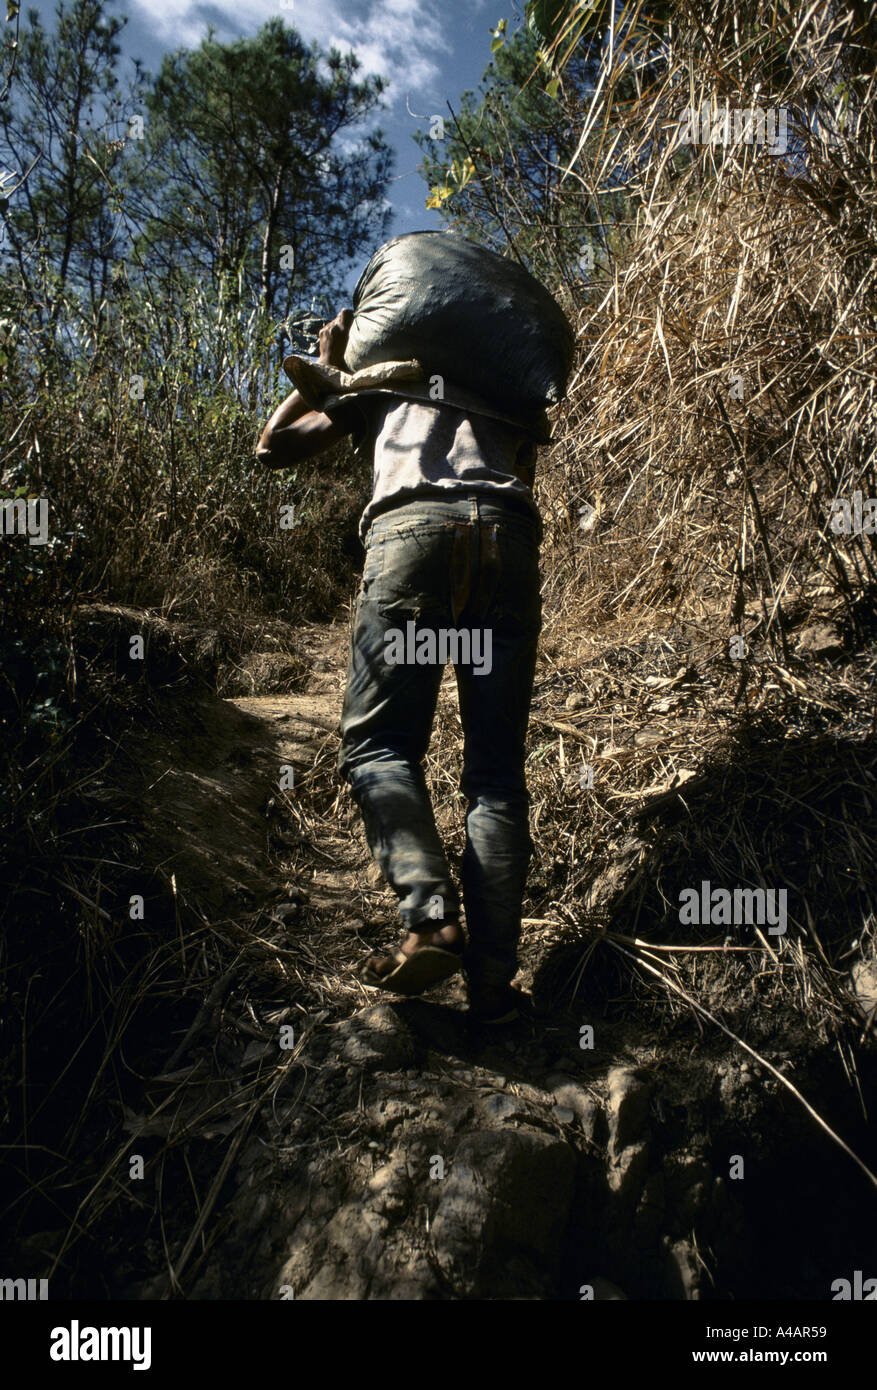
(468,567)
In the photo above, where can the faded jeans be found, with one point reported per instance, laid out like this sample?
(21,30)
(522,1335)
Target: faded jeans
(466,564)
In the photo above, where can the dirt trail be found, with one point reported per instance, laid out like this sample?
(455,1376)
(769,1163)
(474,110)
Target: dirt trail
(390,1149)
(209,786)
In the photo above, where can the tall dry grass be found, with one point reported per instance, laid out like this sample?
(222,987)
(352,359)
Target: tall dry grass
(684,726)
(725,394)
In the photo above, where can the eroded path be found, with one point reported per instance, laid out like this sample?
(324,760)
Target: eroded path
(345,1145)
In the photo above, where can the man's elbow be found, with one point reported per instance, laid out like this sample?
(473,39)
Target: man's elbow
(269,455)
(307,437)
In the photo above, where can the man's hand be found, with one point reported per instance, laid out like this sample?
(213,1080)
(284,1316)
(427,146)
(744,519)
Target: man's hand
(333,339)
(294,432)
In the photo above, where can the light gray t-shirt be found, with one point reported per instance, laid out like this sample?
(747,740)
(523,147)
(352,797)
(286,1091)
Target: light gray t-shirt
(421,449)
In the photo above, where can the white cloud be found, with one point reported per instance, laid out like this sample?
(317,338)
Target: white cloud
(403,40)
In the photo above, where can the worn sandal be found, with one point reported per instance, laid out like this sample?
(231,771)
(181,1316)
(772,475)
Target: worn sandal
(428,966)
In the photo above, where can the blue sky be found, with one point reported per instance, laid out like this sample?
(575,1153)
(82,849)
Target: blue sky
(430,50)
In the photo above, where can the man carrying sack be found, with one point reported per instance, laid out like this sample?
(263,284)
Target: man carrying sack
(452,536)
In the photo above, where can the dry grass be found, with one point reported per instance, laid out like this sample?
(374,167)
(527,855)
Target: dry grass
(724,397)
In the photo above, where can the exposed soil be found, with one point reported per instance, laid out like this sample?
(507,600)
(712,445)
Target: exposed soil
(303,1137)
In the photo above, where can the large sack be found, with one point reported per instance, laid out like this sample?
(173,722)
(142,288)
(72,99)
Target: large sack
(473,317)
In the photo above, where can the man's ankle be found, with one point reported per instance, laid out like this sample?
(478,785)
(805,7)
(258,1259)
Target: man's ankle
(442,933)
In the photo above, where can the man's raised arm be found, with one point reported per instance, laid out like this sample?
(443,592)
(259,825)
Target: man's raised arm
(294,432)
